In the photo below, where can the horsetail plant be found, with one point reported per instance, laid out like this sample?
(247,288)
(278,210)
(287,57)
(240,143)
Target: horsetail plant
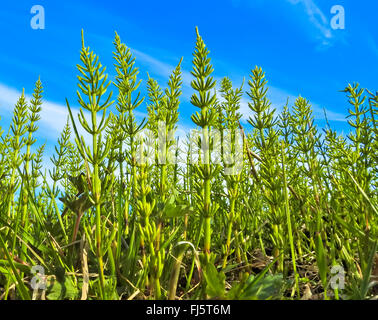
(203,83)
(93,84)
(233,179)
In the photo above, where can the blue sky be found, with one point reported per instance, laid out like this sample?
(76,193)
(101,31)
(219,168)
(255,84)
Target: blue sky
(292,40)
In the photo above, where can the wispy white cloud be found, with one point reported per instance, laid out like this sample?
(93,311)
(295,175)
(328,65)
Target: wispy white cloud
(164,70)
(372,44)
(278,98)
(159,67)
(53,115)
(156,67)
(317,18)
(8,97)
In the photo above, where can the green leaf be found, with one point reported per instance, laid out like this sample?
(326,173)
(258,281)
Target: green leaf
(19,266)
(215,282)
(62,290)
(174,210)
(321,259)
(237,288)
(267,288)
(365,285)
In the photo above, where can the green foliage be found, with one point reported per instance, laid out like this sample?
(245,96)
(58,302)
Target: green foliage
(267,218)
